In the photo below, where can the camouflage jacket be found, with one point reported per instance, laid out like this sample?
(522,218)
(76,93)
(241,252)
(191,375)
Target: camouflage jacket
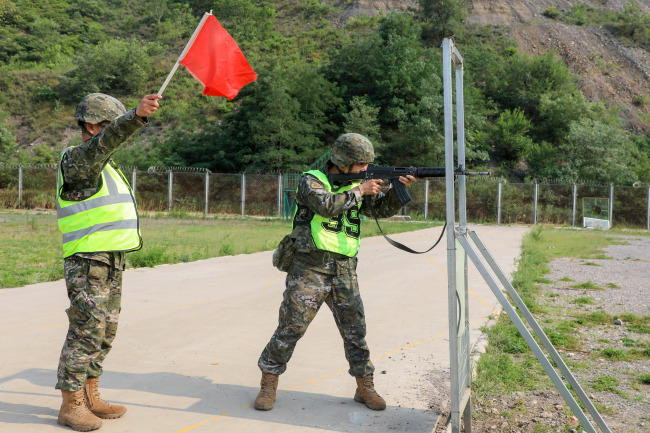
(315,199)
(81,167)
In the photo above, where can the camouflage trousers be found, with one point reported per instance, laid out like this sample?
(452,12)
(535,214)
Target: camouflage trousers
(95,292)
(306,290)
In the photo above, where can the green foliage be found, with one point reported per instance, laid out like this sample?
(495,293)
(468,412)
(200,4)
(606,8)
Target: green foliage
(115,67)
(362,119)
(148,257)
(509,137)
(551,12)
(645,379)
(595,151)
(379,75)
(392,71)
(8,145)
(634,25)
(584,300)
(249,22)
(444,17)
(605,383)
(586,286)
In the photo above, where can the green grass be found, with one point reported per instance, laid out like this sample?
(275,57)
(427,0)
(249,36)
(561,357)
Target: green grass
(584,300)
(645,379)
(31,243)
(606,384)
(586,286)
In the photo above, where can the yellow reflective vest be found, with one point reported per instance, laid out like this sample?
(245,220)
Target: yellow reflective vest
(106,221)
(340,234)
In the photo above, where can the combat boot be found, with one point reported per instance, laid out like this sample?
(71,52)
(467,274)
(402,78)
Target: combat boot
(75,414)
(266,396)
(366,394)
(98,406)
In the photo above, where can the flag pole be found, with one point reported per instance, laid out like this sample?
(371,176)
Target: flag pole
(187,47)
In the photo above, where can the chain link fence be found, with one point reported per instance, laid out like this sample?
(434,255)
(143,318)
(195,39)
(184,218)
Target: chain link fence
(489,200)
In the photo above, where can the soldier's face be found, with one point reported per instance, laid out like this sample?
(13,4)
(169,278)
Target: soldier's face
(358,168)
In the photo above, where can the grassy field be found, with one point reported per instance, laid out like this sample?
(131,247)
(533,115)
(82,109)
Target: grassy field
(30,250)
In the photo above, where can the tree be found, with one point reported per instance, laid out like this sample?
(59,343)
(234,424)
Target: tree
(445,17)
(597,152)
(362,119)
(509,137)
(8,144)
(116,67)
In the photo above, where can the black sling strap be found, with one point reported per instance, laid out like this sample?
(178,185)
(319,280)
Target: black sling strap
(402,246)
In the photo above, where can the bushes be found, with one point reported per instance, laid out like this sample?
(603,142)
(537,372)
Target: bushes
(115,67)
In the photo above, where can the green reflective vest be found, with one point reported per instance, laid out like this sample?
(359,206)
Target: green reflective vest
(340,234)
(106,221)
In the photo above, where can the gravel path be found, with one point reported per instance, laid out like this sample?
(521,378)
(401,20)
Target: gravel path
(628,269)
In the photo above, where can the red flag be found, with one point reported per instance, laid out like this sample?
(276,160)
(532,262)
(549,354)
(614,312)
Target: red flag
(217,62)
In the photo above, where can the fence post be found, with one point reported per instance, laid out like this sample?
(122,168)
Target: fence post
(279,195)
(243,193)
(573,206)
(426,197)
(207,191)
(611,205)
(133,181)
(535,204)
(169,190)
(20,186)
(499,203)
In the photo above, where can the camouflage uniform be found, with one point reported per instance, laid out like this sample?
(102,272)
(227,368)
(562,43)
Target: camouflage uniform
(318,276)
(93,280)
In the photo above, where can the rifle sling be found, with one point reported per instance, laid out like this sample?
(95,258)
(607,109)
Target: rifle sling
(402,246)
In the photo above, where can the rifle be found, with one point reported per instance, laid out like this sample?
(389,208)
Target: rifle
(393,174)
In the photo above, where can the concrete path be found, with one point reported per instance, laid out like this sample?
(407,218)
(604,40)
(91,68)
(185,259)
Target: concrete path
(185,357)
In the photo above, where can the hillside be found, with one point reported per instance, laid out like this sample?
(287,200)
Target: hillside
(608,69)
(553,90)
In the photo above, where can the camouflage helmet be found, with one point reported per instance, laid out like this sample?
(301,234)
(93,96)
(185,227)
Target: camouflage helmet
(351,149)
(98,107)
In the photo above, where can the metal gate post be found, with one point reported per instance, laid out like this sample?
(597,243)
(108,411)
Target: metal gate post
(459,350)
(169,190)
(243,193)
(647,212)
(279,195)
(535,204)
(573,206)
(20,186)
(611,206)
(499,203)
(426,198)
(206,193)
(459,249)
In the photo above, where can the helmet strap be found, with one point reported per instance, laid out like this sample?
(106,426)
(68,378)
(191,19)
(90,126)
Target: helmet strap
(86,131)
(338,170)
(90,134)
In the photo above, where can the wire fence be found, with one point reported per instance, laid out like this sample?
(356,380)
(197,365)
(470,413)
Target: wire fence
(489,200)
